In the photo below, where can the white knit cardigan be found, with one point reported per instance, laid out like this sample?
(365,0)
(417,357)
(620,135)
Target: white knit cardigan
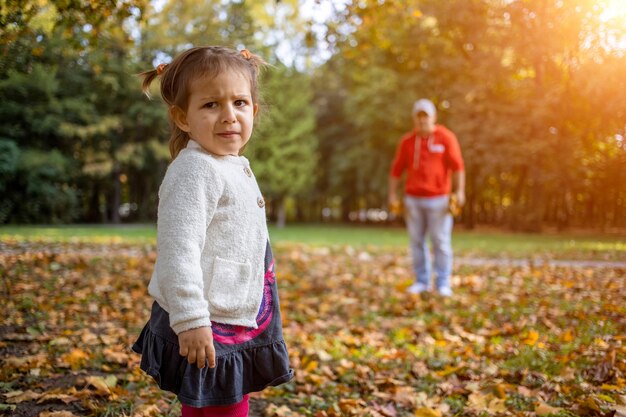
(211,241)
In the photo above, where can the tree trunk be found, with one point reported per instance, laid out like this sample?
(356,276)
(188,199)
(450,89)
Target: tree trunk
(117,195)
(281,215)
(470,219)
(517,205)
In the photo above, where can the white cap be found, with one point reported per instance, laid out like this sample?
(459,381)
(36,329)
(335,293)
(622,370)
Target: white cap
(426,106)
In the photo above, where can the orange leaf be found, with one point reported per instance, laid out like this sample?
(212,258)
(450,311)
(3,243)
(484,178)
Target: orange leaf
(347,405)
(75,359)
(568,336)
(531,338)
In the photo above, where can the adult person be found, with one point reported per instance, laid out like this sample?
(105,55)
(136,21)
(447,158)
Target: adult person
(431,156)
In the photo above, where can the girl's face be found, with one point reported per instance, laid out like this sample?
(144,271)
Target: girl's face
(220,113)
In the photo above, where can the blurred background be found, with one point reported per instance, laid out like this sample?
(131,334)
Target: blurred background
(534,89)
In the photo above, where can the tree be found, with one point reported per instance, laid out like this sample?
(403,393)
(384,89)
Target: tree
(284,147)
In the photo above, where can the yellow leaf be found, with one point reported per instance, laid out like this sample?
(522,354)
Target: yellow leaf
(601,343)
(606,398)
(449,370)
(311,366)
(99,384)
(427,412)
(417,13)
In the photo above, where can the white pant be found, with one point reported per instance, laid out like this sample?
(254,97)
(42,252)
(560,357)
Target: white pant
(429,215)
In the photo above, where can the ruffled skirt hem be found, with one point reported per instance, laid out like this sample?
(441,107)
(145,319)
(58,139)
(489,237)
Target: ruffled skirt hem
(237,372)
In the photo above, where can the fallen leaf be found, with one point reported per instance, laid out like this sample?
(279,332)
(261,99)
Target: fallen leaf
(544,409)
(387,410)
(273,410)
(26,362)
(490,403)
(146,410)
(67,397)
(567,336)
(75,359)
(16,397)
(99,384)
(427,412)
(620,410)
(531,338)
(60,341)
(57,414)
(347,405)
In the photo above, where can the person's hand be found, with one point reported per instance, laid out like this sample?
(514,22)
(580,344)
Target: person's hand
(460,198)
(197,346)
(395,206)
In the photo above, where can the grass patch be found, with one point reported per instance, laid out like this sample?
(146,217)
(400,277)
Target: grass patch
(491,244)
(534,359)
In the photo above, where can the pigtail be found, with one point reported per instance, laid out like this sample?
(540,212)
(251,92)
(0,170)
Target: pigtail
(254,60)
(149,76)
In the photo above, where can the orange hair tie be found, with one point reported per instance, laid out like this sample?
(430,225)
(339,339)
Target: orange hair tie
(246,54)
(160,68)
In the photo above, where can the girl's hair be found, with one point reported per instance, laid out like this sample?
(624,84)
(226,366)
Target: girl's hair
(205,61)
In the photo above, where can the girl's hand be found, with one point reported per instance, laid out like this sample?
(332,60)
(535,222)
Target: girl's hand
(197,346)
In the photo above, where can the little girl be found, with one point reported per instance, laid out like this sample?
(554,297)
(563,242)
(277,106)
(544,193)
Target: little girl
(215,293)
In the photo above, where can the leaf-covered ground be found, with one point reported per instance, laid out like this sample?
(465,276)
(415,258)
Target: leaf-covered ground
(515,341)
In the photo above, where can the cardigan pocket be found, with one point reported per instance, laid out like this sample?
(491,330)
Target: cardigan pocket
(230,286)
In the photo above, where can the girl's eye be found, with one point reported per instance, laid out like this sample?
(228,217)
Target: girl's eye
(210,105)
(240,103)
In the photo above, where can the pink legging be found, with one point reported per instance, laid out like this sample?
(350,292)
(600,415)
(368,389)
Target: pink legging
(235,410)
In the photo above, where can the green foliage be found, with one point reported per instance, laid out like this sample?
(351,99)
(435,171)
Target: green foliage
(284,146)
(9,154)
(39,190)
(29,105)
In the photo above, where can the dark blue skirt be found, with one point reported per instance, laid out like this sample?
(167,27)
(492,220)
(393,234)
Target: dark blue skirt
(247,359)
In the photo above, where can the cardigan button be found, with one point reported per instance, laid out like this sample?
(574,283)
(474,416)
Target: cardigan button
(260,202)
(247,171)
